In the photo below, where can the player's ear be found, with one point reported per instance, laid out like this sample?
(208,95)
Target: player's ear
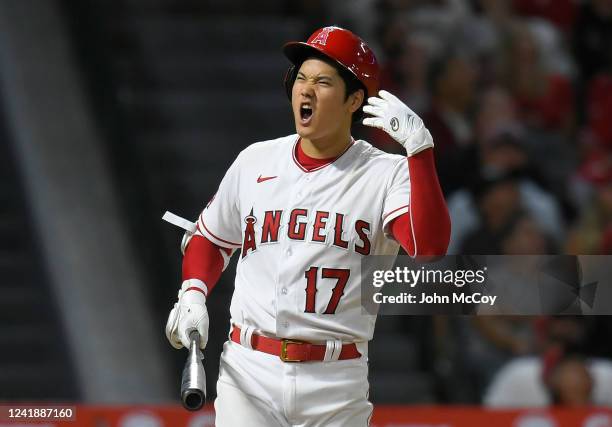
(356,100)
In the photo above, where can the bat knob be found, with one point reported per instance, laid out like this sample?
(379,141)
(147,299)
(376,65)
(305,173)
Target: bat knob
(193,399)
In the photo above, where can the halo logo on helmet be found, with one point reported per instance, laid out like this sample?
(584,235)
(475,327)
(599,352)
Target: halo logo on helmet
(344,48)
(321,38)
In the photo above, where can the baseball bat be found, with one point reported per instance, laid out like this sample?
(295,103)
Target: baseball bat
(193,384)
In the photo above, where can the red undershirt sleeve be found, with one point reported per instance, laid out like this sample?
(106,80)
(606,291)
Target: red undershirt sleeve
(429,231)
(204,260)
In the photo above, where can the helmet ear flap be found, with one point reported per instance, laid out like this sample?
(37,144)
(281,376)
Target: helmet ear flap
(289,80)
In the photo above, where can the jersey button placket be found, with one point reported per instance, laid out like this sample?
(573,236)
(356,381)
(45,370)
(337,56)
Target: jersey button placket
(285,298)
(301,189)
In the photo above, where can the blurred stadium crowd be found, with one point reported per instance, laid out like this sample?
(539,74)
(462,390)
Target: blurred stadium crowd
(518,97)
(516,93)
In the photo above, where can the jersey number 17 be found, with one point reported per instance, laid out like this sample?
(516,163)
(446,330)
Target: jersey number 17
(340,274)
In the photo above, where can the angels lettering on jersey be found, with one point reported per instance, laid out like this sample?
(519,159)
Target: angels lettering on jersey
(301,224)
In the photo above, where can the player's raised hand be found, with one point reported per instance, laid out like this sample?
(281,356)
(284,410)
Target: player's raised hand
(399,121)
(189,313)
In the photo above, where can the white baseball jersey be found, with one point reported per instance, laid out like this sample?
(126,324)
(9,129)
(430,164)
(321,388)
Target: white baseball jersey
(303,235)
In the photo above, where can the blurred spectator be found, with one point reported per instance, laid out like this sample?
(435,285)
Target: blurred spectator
(481,216)
(560,375)
(568,381)
(452,80)
(594,170)
(544,97)
(524,237)
(593,233)
(539,155)
(496,111)
(498,203)
(405,74)
(592,188)
(518,384)
(392,33)
(505,151)
(503,145)
(404,62)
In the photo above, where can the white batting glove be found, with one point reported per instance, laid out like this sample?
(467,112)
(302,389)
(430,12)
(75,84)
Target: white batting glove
(188,313)
(399,121)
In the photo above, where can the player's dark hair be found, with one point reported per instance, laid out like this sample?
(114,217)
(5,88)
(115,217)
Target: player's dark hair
(351,82)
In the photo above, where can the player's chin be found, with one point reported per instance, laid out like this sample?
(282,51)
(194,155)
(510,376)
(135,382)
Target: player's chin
(305,130)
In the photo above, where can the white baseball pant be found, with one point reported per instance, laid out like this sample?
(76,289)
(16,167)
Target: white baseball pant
(260,390)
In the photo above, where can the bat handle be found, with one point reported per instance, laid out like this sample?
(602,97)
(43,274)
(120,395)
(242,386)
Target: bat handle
(193,387)
(194,339)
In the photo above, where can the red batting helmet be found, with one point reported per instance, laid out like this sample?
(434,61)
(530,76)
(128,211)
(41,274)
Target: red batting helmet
(344,48)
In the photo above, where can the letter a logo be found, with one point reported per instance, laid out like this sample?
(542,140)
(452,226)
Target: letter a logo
(248,242)
(321,38)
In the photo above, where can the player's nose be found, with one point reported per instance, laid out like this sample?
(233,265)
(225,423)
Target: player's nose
(307,90)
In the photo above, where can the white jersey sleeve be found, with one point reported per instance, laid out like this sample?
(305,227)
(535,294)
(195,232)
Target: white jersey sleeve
(220,219)
(397,197)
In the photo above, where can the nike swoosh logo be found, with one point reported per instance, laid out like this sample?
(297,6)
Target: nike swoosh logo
(265,178)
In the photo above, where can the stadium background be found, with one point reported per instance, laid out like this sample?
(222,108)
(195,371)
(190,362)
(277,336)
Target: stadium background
(113,111)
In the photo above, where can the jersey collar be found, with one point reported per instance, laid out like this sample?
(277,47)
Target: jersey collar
(303,169)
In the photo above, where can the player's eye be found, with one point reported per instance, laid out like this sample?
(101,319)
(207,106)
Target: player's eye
(300,78)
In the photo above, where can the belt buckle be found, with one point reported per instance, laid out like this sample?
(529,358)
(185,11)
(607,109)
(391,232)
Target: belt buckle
(283,353)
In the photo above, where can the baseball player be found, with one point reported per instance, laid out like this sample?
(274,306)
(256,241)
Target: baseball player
(305,211)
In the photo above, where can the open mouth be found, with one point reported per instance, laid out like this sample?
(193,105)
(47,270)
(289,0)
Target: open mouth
(305,113)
